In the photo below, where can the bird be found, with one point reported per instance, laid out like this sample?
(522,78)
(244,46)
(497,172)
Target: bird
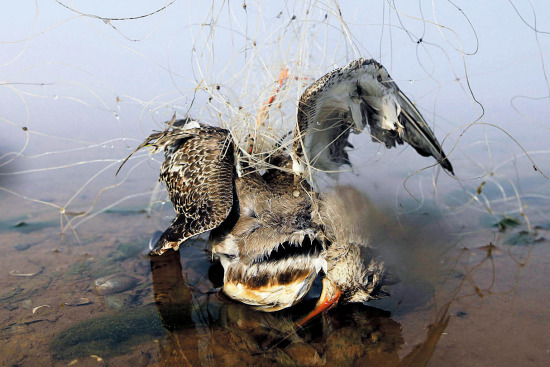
(273,232)
(361,95)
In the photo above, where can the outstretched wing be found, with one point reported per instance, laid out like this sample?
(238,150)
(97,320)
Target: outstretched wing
(350,99)
(198,173)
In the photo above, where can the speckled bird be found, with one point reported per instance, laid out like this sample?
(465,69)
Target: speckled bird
(272,233)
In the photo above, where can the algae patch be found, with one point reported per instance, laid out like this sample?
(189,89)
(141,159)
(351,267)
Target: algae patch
(108,335)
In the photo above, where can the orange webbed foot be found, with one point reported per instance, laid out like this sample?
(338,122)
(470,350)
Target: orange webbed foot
(329,298)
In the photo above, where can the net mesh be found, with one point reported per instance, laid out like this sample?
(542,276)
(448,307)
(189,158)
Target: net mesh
(84,83)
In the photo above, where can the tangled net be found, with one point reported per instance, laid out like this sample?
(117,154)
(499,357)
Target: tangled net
(84,83)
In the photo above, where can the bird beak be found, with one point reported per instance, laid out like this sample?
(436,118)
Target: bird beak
(329,298)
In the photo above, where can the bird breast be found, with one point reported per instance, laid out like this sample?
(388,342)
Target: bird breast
(271,285)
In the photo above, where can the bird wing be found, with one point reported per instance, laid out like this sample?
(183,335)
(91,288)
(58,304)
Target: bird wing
(349,99)
(198,173)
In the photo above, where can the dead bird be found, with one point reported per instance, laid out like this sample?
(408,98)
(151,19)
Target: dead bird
(272,232)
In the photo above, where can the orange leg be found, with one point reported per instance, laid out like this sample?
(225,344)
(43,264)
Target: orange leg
(329,298)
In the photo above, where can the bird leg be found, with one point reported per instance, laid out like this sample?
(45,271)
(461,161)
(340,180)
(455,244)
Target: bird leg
(329,298)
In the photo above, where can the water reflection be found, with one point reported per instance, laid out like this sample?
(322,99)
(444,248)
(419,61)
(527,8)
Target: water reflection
(182,318)
(205,328)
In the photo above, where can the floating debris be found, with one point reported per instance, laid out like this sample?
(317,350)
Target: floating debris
(23,225)
(97,358)
(502,222)
(126,211)
(15,273)
(114,283)
(82,301)
(462,314)
(39,307)
(72,213)
(507,222)
(523,238)
(480,188)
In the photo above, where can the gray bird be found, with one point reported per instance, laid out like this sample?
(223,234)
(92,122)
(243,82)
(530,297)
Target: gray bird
(358,96)
(272,233)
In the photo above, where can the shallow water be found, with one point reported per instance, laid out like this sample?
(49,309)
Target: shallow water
(470,293)
(81,88)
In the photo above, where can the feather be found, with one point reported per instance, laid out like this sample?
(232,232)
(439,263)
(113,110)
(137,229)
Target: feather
(198,173)
(349,99)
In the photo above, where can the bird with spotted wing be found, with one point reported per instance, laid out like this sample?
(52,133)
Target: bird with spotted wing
(198,173)
(272,233)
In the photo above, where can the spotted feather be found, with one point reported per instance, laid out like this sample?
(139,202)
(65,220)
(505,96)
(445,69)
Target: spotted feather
(198,173)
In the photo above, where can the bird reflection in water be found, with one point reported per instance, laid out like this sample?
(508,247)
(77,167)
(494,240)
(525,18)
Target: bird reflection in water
(207,328)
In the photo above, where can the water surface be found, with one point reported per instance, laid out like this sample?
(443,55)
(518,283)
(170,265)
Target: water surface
(470,293)
(80,89)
